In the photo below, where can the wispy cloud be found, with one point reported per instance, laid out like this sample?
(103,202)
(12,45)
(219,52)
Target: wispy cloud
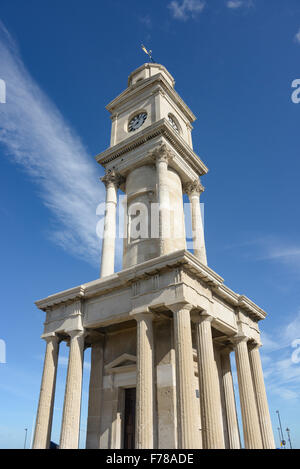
(236,4)
(270,248)
(287,254)
(281,373)
(186,9)
(146,21)
(36,137)
(297,37)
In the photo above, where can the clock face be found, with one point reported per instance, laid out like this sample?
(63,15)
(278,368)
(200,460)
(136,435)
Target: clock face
(137,121)
(173,123)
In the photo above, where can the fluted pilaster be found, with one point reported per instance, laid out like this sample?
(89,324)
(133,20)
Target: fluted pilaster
(251,427)
(44,417)
(230,403)
(210,401)
(145,385)
(69,438)
(185,382)
(261,398)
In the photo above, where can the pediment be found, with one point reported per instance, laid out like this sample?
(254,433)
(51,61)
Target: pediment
(125,362)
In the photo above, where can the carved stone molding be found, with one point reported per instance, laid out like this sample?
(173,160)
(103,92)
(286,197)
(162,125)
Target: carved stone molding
(193,187)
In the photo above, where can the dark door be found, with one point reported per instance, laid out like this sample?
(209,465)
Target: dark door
(129,423)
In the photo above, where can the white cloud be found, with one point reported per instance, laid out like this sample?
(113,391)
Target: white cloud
(282,375)
(235,4)
(269,344)
(297,37)
(292,330)
(284,252)
(36,137)
(146,20)
(185,9)
(270,248)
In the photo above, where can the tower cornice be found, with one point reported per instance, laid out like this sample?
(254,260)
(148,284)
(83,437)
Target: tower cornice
(160,128)
(140,87)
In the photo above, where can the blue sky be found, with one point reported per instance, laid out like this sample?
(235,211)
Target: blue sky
(234,63)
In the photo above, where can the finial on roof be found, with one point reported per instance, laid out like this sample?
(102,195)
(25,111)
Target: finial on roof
(148,52)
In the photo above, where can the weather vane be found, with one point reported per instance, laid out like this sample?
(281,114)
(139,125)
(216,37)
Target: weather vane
(148,52)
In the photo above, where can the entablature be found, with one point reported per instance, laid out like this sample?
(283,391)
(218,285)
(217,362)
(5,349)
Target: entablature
(153,284)
(160,128)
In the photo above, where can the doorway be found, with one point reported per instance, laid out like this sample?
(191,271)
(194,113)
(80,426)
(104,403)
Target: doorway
(129,419)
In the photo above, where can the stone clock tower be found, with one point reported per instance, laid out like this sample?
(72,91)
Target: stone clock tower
(162,329)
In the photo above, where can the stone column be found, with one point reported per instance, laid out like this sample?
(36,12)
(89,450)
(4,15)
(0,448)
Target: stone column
(44,417)
(69,437)
(230,404)
(111,181)
(95,391)
(193,190)
(162,155)
(209,388)
(144,382)
(185,383)
(251,427)
(261,397)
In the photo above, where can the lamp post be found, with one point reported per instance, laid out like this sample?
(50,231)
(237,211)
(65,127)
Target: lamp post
(26,429)
(281,432)
(279,436)
(289,437)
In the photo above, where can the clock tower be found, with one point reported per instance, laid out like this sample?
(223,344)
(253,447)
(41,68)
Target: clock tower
(151,154)
(162,329)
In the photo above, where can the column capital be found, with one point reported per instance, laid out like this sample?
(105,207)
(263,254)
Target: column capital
(52,337)
(226,350)
(180,306)
(143,315)
(75,333)
(93,337)
(254,345)
(112,177)
(193,188)
(162,154)
(201,317)
(237,339)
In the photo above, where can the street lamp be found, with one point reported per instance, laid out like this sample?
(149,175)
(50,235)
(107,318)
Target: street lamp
(26,429)
(289,437)
(283,443)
